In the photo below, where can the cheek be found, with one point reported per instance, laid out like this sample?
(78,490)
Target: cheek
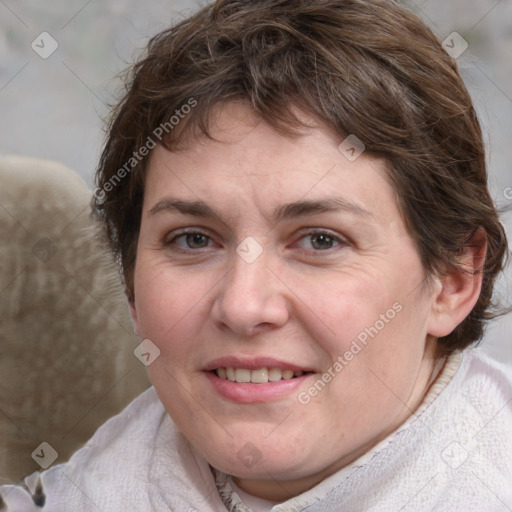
(383,373)
(371,331)
(168,302)
(344,308)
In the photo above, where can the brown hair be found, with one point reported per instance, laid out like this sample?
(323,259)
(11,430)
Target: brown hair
(365,67)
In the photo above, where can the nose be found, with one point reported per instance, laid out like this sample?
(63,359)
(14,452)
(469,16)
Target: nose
(251,298)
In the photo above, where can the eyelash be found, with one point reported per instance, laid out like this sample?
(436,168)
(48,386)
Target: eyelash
(316,232)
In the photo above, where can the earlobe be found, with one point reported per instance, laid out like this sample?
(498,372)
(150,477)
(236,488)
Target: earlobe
(133,311)
(459,288)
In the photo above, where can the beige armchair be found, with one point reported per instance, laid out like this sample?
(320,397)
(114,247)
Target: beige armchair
(66,339)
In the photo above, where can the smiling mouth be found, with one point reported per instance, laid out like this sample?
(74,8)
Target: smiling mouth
(259,376)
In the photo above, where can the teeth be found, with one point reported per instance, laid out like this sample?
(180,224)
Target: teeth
(274,374)
(242,375)
(260,376)
(287,374)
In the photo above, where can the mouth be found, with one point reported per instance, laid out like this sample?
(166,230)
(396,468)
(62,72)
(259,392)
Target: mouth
(255,379)
(257,376)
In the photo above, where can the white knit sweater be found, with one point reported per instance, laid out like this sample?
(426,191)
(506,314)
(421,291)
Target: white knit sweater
(453,454)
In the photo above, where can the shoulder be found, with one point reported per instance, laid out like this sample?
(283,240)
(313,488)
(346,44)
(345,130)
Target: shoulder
(137,461)
(483,386)
(476,402)
(122,434)
(486,372)
(472,421)
(116,457)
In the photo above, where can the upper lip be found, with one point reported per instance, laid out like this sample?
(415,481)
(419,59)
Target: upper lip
(253,363)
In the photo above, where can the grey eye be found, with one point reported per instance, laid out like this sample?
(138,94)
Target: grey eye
(319,241)
(196,240)
(191,240)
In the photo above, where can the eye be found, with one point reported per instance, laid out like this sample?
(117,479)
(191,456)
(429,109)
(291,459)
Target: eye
(192,240)
(320,241)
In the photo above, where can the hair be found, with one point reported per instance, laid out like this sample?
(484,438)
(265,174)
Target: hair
(370,68)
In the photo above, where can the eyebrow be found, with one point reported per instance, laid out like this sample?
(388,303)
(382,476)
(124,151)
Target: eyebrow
(303,208)
(284,212)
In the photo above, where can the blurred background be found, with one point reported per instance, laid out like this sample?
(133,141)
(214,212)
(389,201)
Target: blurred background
(59,60)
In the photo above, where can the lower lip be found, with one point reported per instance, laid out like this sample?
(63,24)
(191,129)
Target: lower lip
(247,393)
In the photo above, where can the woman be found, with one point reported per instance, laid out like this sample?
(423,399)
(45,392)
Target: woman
(296,195)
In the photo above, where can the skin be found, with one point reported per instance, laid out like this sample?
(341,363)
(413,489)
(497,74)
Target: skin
(303,300)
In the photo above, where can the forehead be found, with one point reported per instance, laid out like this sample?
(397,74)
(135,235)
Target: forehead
(249,163)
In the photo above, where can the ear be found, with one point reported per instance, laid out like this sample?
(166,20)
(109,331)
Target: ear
(459,289)
(133,311)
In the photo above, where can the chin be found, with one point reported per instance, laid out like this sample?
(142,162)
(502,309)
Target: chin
(247,461)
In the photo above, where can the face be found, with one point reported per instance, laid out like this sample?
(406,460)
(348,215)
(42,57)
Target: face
(277,279)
